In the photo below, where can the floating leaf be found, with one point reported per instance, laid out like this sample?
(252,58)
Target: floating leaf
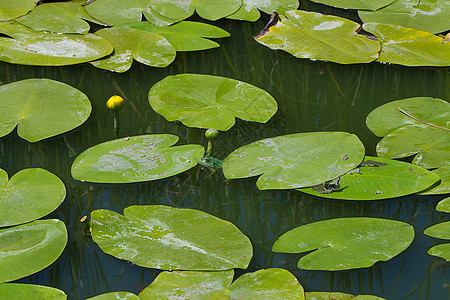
(395,179)
(30,291)
(322,37)
(338,296)
(163,237)
(444,205)
(440,231)
(28,47)
(346,243)
(295,160)
(357,4)
(20,7)
(208,101)
(31,247)
(115,295)
(135,159)
(249,10)
(186,35)
(148,48)
(444,186)
(427,15)
(410,47)
(263,284)
(442,250)
(41,108)
(115,12)
(29,195)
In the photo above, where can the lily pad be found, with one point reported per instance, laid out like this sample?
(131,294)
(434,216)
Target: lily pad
(320,37)
(346,243)
(207,101)
(29,47)
(29,195)
(41,108)
(338,296)
(444,205)
(145,47)
(136,159)
(163,237)
(20,291)
(410,47)
(395,179)
(427,15)
(440,231)
(115,295)
(295,160)
(20,7)
(442,250)
(263,284)
(444,186)
(115,12)
(186,35)
(249,11)
(357,4)
(31,247)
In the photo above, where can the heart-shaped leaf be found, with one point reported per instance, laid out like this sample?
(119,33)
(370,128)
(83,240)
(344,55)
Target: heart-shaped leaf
(338,296)
(346,243)
(295,160)
(31,247)
(394,179)
(163,237)
(41,108)
(30,291)
(115,295)
(135,159)
(249,10)
(444,186)
(321,37)
(20,7)
(357,4)
(207,101)
(29,195)
(444,205)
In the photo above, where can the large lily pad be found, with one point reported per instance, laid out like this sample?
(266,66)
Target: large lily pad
(31,247)
(41,108)
(186,35)
(346,243)
(321,37)
(338,296)
(357,4)
(208,101)
(444,205)
(395,179)
(249,11)
(263,284)
(295,160)
(29,195)
(427,15)
(115,295)
(163,237)
(20,291)
(410,47)
(444,186)
(20,7)
(29,47)
(145,47)
(135,159)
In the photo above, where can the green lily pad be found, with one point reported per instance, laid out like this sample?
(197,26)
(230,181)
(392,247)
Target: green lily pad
(29,195)
(295,160)
(145,47)
(357,4)
(41,108)
(444,186)
(29,47)
(115,12)
(346,243)
(444,205)
(395,179)
(410,47)
(249,10)
(136,159)
(338,296)
(20,7)
(186,35)
(263,284)
(442,250)
(31,247)
(20,291)
(163,237)
(427,15)
(440,231)
(207,101)
(115,295)
(320,37)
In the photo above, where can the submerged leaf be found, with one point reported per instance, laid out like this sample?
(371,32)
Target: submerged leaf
(30,291)
(163,237)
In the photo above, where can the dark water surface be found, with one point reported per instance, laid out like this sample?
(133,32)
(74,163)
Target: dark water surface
(312,96)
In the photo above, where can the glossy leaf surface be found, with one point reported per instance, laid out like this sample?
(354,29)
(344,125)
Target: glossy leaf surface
(29,195)
(320,37)
(20,291)
(444,205)
(115,295)
(41,108)
(207,101)
(357,4)
(410,47)
(396,179)
(163,237)
(440,230)
(346,243)
(444,185)
(20,7)
(135,159)
(249,11)
(31,247)
(441,250)
(115,12)
(295,160)
(338,296)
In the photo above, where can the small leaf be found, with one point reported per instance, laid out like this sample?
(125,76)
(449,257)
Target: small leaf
(444,205)
(440,230)
(442,250)
(30,291)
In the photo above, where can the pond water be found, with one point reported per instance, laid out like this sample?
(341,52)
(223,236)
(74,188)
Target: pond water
(312,96)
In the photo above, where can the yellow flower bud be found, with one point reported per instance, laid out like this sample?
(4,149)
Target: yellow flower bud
(115,102)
